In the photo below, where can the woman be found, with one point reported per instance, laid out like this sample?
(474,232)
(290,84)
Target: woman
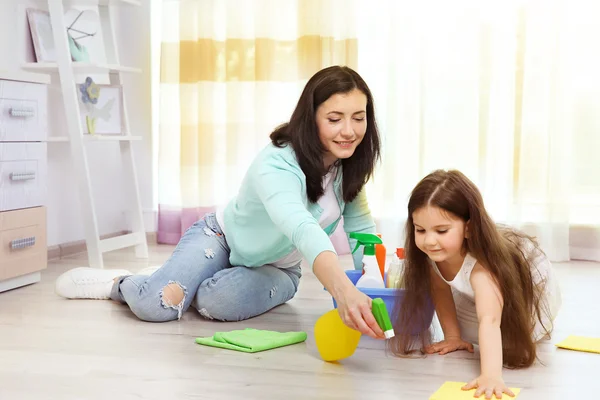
(244,260)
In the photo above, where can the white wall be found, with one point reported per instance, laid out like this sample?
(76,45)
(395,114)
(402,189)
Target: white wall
(64,221)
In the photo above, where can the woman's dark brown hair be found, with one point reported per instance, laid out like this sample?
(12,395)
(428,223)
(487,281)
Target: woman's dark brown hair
(498,249)
(303,135)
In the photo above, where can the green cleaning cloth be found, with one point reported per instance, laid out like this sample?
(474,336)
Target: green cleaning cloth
(252,340)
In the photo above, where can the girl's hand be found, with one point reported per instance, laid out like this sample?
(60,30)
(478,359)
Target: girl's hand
(449,345)
(489,386)
(355,309)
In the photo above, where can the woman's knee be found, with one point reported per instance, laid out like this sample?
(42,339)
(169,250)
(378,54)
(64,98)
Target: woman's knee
(221,301)
(211,308)
(166,305)
(224,299)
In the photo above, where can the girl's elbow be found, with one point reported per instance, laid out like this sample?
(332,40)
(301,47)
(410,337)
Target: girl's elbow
(490,320)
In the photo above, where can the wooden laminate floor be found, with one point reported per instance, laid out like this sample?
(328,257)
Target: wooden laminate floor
(52,348)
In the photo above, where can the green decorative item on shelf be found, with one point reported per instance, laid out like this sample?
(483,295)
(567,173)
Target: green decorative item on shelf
(78,51)
(91,125)
(82,26)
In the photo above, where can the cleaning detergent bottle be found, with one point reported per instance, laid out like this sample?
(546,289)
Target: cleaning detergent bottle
(381,254)
(395,270)
(382,317)
(372,277)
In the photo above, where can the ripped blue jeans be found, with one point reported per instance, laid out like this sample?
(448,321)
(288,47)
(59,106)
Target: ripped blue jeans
(200,267)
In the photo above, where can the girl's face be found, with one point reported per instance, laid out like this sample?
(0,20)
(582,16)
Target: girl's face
(342,123)
(439,234)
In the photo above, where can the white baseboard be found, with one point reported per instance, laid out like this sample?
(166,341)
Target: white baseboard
(20,281)
(67,249)
(584,243)
(61,250)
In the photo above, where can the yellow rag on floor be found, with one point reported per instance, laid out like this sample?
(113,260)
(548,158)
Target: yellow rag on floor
(453,391)
(581,343)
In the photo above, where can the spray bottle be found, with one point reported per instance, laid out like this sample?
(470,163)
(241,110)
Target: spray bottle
(372,277)
(395,270)
(382,317)
(336,341)
(381,255)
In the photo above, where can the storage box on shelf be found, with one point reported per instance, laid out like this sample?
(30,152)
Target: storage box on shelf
(23,132)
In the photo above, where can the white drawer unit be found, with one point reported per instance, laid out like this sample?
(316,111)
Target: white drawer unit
(22,175)
(23,247)
(23,166)
(23,112)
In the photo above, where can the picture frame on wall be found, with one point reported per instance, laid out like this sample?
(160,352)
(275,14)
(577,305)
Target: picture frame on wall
(41,35)
(101,108)
(83,32)
(83,27)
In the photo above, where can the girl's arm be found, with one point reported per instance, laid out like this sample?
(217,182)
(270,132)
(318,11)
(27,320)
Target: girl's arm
(446,312)
(488,303)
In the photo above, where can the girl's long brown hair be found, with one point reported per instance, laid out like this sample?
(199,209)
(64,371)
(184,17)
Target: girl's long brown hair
(498,249)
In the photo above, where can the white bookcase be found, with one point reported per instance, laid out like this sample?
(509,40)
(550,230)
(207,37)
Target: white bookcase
(76,135)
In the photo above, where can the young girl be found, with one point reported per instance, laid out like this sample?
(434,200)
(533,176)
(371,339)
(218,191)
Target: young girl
(491,285)
(245,260)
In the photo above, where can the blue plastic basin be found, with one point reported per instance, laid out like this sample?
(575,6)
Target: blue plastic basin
(390,297)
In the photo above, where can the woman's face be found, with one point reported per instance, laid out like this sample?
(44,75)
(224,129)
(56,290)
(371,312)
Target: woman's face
(342,123)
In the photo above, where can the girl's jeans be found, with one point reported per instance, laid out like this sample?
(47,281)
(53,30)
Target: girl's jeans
(200,266)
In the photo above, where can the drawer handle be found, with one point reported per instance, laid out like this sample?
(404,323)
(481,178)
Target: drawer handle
(22,176)
(22,112)
(22,243)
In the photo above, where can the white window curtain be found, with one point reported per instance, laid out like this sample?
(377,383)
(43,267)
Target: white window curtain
(508,92)
(230,72)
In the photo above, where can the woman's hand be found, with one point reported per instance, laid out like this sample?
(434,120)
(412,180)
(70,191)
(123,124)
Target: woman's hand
(353,305)
(448,345)
(489,386)
(354,308)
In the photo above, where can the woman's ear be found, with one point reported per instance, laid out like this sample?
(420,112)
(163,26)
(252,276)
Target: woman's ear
(467,225)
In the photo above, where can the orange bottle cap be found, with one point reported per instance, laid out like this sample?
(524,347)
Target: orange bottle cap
(400,252)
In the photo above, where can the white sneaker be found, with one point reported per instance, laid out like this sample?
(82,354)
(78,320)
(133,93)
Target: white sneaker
(87,283)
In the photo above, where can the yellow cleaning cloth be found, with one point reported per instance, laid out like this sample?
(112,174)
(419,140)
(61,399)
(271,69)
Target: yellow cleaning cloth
(581,343)
(453,391)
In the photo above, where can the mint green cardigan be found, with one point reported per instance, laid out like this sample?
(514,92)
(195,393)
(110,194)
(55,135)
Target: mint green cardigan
(271,215)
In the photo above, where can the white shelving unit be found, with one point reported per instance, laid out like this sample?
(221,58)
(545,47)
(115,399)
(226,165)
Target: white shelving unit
(78,140)
(81,67)
(98,138)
